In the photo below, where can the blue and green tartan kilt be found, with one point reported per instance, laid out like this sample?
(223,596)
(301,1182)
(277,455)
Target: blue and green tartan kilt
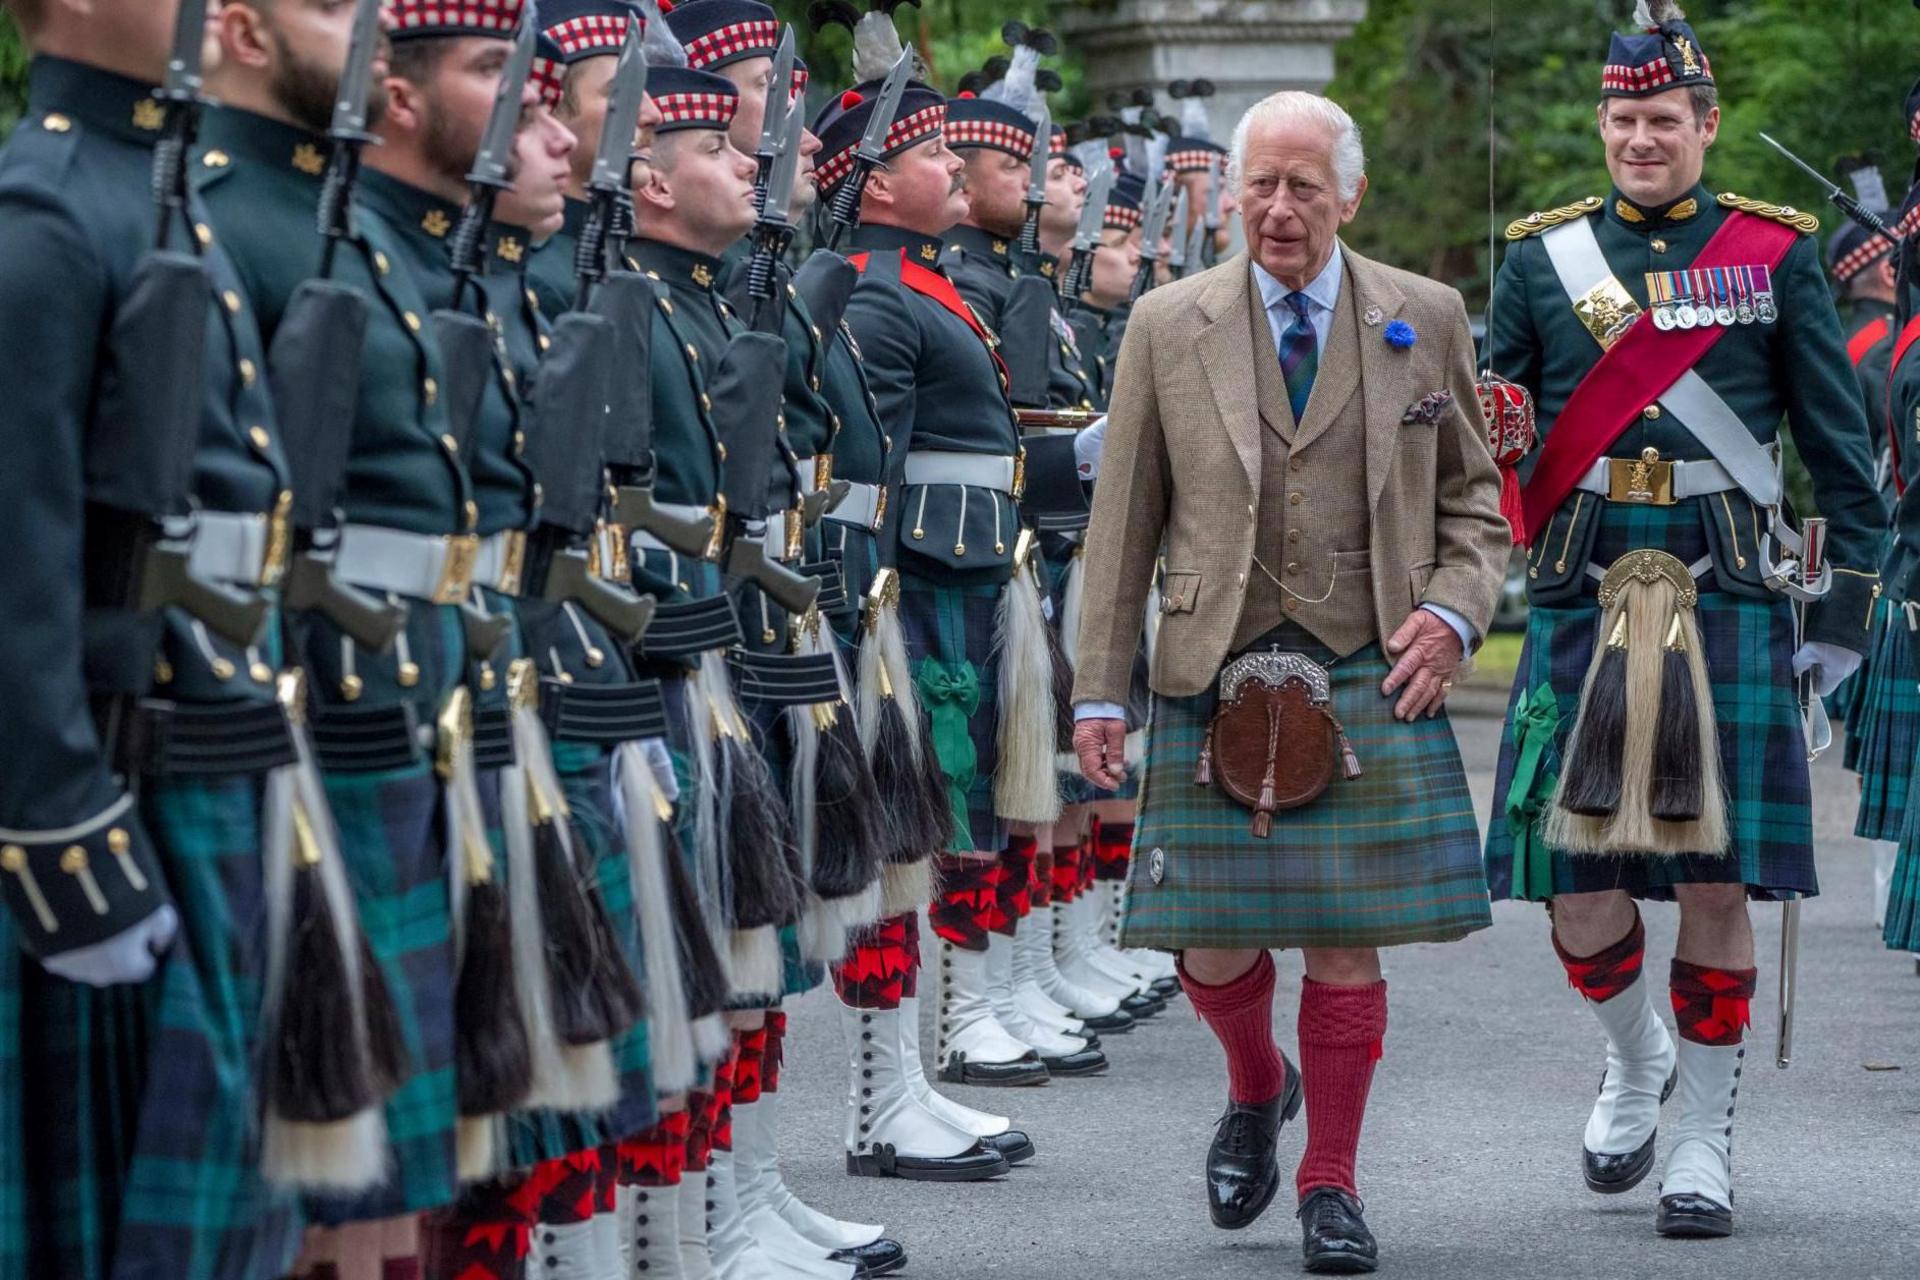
(1889,729)
(1902,928)
(393,839)
(1389,857)
(956,671)
(131,1119)
(1763,757)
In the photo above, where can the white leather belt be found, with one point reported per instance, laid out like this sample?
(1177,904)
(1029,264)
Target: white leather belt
(779,525)
(435,567)
(1690,479)
(979,470)
(230,547)
(500,560)
(861,506)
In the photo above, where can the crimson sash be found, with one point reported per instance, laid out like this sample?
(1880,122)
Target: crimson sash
(1865,337)
(933,285)
(1637,370)
(1908,336)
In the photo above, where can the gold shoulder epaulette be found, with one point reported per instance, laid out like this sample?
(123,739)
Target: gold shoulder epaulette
(1798,219)
(1534,223)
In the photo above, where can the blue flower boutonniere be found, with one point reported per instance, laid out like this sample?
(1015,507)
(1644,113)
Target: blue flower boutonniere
(1400,334)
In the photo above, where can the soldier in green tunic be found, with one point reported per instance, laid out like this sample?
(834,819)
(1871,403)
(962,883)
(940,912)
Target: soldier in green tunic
(143,514)
(1657,544)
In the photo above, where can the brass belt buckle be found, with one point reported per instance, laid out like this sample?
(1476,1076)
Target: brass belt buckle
(456,573)
(513,563)
(1646,480)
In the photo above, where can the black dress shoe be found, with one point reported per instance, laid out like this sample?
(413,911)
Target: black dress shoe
(1081,1062)
(1014,1146)
(972,1165)
(1333,1236)
(1117,1023)
(881,1258)
(1684,1216)
(1142,1005)
(1612,1174)
(1242,1172)
(1165,988)
(1026,1069)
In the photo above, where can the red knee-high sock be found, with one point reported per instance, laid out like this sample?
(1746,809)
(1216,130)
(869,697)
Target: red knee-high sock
(485,1236)
(879,969)
(772,1058)
(654,1157)
(1340,1033)
(1605,974)
(1240,1015)
(1710,1006)
(748,1065)
(1016,883)
(568,1187)
(721,1131)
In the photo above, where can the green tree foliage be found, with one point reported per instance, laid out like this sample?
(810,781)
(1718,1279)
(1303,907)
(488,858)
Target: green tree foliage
(13,75)
(1827,80)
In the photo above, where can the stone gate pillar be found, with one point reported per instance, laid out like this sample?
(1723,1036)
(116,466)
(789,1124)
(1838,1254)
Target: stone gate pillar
(1248,48)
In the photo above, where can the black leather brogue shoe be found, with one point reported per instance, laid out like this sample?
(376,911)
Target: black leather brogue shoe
(1334,1239)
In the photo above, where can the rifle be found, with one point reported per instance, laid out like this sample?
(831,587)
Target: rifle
(1210,216)
(746,390)
(1153,227)
(844,210)
(772,231)
(1037,181)
(573,394)
(140,459)
(1198,238)
(1078,276)
(1847,203)
(1039,419)
(314,370)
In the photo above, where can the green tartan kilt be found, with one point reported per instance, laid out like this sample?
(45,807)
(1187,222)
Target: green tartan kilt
(1889,729)
(1763,762)
(129,1117)
(1902,929)
(393,838)
(956,667)
(1389,857)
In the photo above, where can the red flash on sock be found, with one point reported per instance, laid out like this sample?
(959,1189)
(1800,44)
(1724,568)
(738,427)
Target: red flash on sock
(1604,975)
(1712,1006)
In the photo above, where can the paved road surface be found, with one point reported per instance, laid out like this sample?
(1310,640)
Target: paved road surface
(1470,1161)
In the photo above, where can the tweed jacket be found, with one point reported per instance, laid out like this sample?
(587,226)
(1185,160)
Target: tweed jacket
(1182,467)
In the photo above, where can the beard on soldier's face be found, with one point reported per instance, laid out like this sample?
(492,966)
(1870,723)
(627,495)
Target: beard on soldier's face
(451,143)
(302,88)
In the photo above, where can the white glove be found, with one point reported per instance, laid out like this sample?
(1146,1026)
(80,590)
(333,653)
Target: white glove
(1087,446)
(1830,664)
(127,957)
(660,760)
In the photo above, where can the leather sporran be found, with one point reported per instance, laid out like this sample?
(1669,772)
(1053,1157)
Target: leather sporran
(1274,743)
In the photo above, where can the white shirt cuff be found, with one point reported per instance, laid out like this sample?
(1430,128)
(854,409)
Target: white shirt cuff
(1459,624)
(1098,711)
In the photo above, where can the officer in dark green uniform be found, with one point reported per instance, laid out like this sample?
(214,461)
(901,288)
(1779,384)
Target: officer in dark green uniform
(1651,519)
(261,172)
(1099,314)
(132,947)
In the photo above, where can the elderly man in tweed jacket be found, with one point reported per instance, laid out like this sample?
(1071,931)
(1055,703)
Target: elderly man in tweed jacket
(1330,496)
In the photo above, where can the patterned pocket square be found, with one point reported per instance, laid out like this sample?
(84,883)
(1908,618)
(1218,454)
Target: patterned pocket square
(1427,409)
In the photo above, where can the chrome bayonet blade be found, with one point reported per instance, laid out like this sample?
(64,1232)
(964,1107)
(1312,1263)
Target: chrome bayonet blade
(183,64)
(1177,251)
(493,164)
(1093,213)
(1196,244)
(873,143)
(1153,227)
(1211,214)
(779,84)
(1042,156)
(786,165)
(1826,184)
(613,158)
(356,78)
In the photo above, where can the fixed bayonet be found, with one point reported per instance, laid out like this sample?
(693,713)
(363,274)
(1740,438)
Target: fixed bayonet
(771,231)
(1177,248)
(1210,216)
(1087,233)
(1197,238)
(772,123)
(1153,227)
(492,170)
(612,165)
(1037,180)
(845,209)
(348,133)
(1847,203)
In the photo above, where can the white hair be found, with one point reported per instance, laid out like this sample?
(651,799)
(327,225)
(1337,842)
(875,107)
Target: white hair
(1297,107)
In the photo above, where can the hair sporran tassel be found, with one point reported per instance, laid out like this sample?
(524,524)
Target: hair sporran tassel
(327,1003)
(1675,793)
(644,812)
(917,820)
(1591,784)
(493,1055)
(1025,786)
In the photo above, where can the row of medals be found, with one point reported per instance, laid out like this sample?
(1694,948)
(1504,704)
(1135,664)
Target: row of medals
(1711,296)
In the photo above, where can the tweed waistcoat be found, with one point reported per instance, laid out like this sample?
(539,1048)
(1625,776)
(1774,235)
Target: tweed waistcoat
(1312,523)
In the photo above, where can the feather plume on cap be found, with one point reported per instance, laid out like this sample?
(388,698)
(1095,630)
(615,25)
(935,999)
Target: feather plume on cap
(662,47)
(1651,15)
(876,42)
(1192,96)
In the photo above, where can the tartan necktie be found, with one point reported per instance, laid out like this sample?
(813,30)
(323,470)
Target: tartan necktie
(1299,355)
